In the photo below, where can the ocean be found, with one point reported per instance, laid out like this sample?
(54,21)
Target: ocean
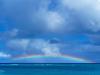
(49,69)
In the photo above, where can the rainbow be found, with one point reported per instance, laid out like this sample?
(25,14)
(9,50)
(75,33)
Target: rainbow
(55,56)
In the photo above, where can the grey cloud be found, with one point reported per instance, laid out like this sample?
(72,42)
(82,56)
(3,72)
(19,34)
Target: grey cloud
(30,16)
(34,46)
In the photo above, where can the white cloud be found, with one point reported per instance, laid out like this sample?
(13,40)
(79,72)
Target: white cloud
(4,55)
(34,44)
(55,22)
(76,4)
(18,44)
(51,50)
(46,47)
(97,5)
(88,11)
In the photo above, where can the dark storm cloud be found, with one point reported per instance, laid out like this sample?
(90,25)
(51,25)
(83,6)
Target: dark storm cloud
(34,17)
(31,16)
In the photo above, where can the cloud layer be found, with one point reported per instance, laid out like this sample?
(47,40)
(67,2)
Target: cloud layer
(34,45)
(4,55)
(68,16)
(28,26)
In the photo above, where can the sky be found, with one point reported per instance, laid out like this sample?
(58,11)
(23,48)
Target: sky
(61,28)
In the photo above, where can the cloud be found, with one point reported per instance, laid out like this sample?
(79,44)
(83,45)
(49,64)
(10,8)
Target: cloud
(88,13)
(26,20)
(41,45)
(77,5)
(25,15)
(20,44)
(34,16)
(4,55)
(10,34)
(55,21)
(49,49)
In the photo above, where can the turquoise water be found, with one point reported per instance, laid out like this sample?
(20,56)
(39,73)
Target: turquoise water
(50,69)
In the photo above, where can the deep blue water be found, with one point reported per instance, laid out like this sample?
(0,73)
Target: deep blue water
(50,69)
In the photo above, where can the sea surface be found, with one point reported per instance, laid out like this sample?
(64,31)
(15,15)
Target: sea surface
(49,69)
